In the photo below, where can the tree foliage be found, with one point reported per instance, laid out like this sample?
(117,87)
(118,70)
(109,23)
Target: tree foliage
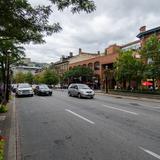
(50,77)
(21,23)
(78,71)
(150,53)
(29,77)
(128,68)
(19,78)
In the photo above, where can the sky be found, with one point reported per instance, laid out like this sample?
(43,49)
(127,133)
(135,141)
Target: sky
(113,22)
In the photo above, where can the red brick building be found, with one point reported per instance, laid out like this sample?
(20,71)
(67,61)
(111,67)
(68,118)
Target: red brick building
(102,64)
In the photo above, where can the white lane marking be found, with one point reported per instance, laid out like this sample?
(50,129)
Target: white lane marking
(150,152)
(120,110)
(80,116)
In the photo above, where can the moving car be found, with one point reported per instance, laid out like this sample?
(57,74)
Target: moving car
(43,89)
(80,90)
(24,89)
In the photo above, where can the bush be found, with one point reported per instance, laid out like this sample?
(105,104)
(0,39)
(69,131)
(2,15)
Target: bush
(2,143)
(3,109)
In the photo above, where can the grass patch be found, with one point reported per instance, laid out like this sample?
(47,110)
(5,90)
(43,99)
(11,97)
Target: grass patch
(3,109)
(2,144)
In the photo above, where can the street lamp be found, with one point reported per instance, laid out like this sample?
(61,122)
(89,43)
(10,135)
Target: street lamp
(106,76)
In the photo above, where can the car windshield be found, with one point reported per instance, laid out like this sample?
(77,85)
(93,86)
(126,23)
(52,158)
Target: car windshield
(43,87)
(83,86)
(23,86)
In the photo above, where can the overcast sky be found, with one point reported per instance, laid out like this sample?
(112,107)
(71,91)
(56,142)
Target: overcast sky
(114,21)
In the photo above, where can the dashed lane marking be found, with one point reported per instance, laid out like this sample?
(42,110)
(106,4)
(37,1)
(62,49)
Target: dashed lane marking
(80,116)
(120,110)
(150,152)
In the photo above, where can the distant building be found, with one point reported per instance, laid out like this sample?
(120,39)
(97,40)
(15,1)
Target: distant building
(26,69)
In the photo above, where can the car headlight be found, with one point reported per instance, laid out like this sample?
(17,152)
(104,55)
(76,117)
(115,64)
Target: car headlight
(19,92)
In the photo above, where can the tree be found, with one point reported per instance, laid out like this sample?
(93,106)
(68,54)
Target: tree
(22,23)
(19,77)
(150,54)
(81,73)
(50,77)
(38,78)
(128,68)
(29,77)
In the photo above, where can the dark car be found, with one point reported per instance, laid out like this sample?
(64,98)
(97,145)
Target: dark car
(43,90)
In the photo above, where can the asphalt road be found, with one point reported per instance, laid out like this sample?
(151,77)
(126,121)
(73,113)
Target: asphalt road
(105,128)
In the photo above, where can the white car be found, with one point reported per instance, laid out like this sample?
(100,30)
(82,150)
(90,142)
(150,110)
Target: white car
(24,89)
(80,90)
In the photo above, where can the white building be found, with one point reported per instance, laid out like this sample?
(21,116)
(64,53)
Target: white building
(26,69)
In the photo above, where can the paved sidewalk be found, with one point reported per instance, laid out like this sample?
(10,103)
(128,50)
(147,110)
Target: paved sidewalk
(9,130)
(99,92)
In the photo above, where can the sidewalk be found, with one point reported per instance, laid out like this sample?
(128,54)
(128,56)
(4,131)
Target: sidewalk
(151,99)
(8,130)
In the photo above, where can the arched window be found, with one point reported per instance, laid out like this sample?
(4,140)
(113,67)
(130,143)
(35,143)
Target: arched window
(96,65)
(90,65)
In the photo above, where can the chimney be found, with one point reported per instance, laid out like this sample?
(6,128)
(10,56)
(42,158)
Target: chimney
(80,50)
(71,54)
(142,29)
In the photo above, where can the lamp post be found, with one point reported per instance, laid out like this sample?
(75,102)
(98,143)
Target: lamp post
(106,76)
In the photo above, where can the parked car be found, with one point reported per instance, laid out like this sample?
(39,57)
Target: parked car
(80,90)
(24,89)
(13,87)
(43,89)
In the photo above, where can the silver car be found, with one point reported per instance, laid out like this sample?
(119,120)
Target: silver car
(80,90)
(24,89)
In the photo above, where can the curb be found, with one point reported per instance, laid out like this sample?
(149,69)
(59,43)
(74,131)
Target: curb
(13,142)
(129,97)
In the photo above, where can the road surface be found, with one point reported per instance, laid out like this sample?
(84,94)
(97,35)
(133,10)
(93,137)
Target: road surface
(104,128)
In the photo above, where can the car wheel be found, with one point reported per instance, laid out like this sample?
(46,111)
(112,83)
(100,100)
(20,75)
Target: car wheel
(50,94)
(79,95)
(69,94)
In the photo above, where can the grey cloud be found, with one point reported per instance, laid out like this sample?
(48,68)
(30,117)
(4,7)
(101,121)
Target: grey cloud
(113,22)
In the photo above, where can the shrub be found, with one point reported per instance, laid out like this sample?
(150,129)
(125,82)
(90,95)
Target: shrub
(2,143)
(3,109)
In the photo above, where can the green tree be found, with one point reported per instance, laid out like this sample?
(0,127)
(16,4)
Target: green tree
(150,54)
(81,73)
(38,78)
(19,77)
(128,68)
(29,77)
(22,23)
(50,77)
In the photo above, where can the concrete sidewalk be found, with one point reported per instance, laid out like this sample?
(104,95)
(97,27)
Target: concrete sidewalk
(151,99)
(9,130)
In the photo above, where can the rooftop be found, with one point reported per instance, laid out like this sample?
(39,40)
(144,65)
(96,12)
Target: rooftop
(148,32)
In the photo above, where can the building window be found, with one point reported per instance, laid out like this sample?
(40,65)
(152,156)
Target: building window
(96,66)
(90,65)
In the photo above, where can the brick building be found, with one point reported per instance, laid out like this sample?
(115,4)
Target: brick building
(102,64)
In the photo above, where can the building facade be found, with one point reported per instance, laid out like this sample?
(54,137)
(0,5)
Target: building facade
(102,63)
